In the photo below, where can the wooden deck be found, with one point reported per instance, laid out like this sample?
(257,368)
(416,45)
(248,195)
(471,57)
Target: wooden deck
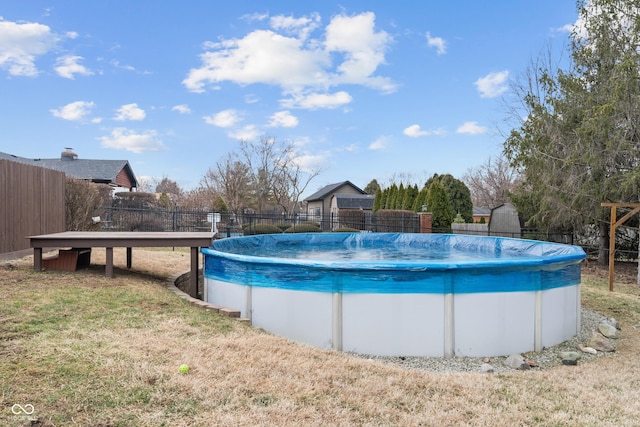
(110,240)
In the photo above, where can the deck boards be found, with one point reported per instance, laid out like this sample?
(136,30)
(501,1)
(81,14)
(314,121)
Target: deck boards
(119,239)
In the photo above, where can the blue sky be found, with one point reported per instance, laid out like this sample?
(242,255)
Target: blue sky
(363,89)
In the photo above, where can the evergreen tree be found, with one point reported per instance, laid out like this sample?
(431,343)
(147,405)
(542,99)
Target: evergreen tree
(421,200)
(384,199)
(458,193)
(399,197)
(439,206)
(372,187)
(378,200)
(393,191)
(578,145)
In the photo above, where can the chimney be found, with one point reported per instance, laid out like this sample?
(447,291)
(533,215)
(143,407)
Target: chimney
(68,154)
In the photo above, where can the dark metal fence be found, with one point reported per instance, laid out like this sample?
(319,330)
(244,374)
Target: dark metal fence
(229,225)
(153,219)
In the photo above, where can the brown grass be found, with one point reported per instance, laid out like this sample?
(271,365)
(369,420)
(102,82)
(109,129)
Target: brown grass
(90,351)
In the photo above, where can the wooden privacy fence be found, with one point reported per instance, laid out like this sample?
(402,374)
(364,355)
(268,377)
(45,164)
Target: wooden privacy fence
(31,203)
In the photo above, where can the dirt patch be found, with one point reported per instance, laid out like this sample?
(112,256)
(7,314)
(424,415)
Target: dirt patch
(625,271)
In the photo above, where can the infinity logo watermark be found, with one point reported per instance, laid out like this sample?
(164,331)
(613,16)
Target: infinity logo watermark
(18,409)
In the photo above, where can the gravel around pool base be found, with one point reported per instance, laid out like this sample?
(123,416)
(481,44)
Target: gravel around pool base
(547,358)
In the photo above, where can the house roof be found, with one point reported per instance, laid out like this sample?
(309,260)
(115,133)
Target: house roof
(354,201)
(102,171)
(327,190)
(481,211)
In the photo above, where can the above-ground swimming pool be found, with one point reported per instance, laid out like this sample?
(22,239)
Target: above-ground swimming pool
(398,294)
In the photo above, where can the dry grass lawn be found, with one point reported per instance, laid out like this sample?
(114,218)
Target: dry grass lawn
(85,350)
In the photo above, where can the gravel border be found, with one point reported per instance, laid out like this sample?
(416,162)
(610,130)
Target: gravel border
(547,358)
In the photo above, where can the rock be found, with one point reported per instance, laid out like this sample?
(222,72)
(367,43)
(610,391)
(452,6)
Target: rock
(589,350)
(570,355)
(600,343)
(516,361)
(570,358)
(486,360)
(486,368)
(531,363)
(607,330)
(613,322)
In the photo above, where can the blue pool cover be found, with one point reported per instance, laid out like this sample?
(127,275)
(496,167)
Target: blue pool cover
(393,263)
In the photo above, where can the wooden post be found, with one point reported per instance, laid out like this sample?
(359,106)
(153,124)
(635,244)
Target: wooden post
(612,247)
(612,232)
(37,259)
(193,276)
(108,268)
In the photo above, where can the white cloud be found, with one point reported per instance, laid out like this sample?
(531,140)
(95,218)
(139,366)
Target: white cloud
(298,63)
(117,64)
(283,119)
(415,131)
(471,128)
(251,17)
(316,101)
(247,133)
(130,140)
(438,43)
(73,111)
(567,28)
(260,57)
(67,66)
(493,84)
(363,48)
(301,27)
(224,119)
(182,109)
(130,112)
(310,162)
(21,43)
(380,143)
(251,98)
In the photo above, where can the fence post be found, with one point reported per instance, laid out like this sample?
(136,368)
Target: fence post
(173,219)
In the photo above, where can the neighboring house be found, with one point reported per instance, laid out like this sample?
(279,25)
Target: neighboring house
(479,213)
(116,173)
(341,202)
(504,221)
(319,203)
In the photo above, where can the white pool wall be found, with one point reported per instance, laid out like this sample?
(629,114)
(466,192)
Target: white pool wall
(475,325)
(421,308)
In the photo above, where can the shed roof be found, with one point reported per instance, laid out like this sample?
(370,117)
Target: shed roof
(327,190)
(354,201)
(481,211)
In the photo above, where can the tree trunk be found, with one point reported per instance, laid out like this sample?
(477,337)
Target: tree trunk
(603,250)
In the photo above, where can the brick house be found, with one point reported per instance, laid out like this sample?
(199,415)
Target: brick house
(116,173)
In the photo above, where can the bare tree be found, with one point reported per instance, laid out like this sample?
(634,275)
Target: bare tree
(277,177)
(198,198)
(229,178)
(491,183)
(82,201)
(168,186)
(145,185)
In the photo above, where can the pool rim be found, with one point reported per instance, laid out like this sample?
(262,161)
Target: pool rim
(577,255)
